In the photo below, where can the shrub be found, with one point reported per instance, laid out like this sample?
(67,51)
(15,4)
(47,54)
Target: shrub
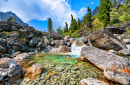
(97,24)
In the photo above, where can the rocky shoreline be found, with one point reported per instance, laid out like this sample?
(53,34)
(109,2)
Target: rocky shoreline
(19,43)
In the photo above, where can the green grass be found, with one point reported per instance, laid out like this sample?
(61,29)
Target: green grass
(8,33)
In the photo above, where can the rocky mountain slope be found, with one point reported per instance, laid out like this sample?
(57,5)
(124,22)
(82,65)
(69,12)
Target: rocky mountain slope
(5,15)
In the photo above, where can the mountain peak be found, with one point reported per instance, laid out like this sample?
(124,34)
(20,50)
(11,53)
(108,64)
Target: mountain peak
(5,15)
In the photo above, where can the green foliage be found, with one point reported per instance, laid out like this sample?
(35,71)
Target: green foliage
(78,24)
(127,1)
(9,19)
(59,30)
(84,20)
(88,16)
(66,27)
(97,24)
(104,12)
(49,25)
(13,20)
(114,3)
(73,25)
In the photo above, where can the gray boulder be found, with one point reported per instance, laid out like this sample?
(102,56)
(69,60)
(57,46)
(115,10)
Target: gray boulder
(34,41)
(115,68)
(63,49)
(2,49)
(116,30)
(118,72)
(3,42)
(9,70)
(127,41)
(124,52)
(92,81)
(40,44)
(105,40)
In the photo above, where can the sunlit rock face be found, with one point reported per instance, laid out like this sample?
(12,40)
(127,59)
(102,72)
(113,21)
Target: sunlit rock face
(116,68)
(34,71)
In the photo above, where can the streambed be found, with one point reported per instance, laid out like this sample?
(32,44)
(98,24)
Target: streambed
(63,70)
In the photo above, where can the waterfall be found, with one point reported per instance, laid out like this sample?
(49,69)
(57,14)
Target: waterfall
(77,49)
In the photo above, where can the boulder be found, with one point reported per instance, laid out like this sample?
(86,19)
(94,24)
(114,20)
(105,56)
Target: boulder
(124,52)
(46,41)
(9,70)
(34,71)
(72,40)
(118,72)
(14,35)
(108,61)
(66,38)
(92,81)
(105,40)
(3,42)
(30,35)
(127,41)
(34,41)
(87,25)
(57,43)
(55,36)
(40,44)
(116,30)
(2,49)
(23,56)
(15,54)
(63,49)
(85,40)
(100,58)
(6,62)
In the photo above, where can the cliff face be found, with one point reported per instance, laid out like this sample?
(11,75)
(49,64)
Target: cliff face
(5,15)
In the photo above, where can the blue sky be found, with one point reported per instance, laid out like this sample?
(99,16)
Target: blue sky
(36,12)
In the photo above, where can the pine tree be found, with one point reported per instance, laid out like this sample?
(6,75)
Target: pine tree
(9,19)
(71,24)
(88,16)
(66,27)
(59,30)
(74,25)
(14,20)
(104,12)
(114,3)
(78,24)
(49,25)
(84,20)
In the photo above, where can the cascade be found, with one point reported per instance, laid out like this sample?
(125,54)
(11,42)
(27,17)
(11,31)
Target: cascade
(77,49)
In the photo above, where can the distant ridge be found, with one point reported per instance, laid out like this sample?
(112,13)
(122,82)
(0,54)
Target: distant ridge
(5,15)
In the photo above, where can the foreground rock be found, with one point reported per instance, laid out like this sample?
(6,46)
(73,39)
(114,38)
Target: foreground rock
(9,70)
(102,59)
(124,52)
(105,40)
(118,72)
(21,57)
(63,49)
(34,71)
(116,30)
(92,81)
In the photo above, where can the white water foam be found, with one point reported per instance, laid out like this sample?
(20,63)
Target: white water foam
(77,49)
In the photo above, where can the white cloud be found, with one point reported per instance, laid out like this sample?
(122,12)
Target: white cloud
(92,2)
(58,10)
